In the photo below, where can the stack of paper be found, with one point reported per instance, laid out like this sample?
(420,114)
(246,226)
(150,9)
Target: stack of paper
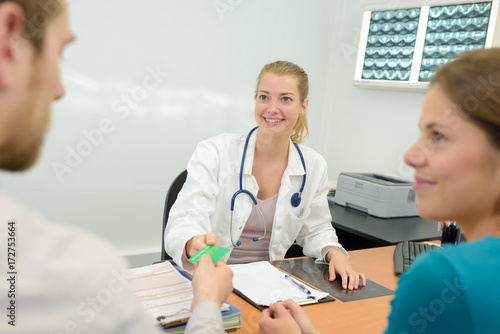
(231,318)
(166,296)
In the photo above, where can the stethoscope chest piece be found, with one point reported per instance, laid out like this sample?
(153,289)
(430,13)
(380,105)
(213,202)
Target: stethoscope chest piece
(295,200)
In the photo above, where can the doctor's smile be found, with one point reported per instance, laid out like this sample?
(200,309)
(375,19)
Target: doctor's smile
(273,120)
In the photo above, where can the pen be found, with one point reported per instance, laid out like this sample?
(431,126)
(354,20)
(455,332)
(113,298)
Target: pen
(298,285)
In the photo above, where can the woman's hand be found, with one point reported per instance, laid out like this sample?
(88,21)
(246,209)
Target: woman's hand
(286,318)
(276,320)
(339,264)
(196,243)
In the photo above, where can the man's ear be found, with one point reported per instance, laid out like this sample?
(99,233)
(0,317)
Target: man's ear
(12,20)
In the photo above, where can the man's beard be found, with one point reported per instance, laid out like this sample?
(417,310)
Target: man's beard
(16,159)
(22,148)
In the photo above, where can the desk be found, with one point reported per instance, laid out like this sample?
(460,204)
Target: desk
(374,232)
(362,316)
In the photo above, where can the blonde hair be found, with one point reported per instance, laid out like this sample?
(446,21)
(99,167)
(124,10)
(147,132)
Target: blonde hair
(300,131)
(473,82)
(38,13)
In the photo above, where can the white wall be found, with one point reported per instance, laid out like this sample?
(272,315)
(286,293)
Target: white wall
(367,130)
(212,59)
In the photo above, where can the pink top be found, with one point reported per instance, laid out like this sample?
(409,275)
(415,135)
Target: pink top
(249,250)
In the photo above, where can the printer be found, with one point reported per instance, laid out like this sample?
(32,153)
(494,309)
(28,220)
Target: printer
(378,195)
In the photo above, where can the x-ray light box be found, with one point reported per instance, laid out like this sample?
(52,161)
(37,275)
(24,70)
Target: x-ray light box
(399,48)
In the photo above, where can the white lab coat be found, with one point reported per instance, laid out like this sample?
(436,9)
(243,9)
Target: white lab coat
(203,204)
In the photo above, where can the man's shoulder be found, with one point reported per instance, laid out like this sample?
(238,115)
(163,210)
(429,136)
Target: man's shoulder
(61,249)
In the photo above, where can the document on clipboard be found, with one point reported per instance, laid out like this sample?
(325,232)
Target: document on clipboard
(262,284)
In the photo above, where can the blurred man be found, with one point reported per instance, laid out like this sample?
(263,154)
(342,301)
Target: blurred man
(54,278)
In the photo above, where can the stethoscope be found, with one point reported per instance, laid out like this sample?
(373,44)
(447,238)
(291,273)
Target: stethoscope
(295,200)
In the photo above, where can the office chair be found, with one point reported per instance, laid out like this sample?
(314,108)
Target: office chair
(172,192)
(295,250)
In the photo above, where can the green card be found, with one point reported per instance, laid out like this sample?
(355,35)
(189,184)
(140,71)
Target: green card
(215,252)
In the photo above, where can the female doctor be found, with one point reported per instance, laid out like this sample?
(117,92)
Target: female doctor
(258,192)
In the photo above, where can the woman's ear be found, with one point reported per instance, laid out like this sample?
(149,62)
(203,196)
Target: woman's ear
(303,107)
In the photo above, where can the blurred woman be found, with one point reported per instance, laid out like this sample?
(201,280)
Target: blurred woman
(457,177)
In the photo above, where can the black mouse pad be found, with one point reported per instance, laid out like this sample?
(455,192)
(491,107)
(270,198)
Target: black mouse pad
(316,274)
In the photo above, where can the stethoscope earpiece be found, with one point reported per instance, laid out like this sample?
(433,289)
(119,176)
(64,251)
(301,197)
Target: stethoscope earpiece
(296,198)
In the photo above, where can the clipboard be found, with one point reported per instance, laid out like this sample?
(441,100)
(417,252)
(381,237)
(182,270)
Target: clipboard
(262,307)
(261,284)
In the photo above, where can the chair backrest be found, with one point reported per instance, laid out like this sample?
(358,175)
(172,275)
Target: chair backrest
(172,192)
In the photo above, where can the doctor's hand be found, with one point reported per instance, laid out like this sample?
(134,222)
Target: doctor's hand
(339,264)
(286,318)
(197,242)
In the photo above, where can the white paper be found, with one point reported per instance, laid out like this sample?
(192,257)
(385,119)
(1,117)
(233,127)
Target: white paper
(163,291)
(265,284)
